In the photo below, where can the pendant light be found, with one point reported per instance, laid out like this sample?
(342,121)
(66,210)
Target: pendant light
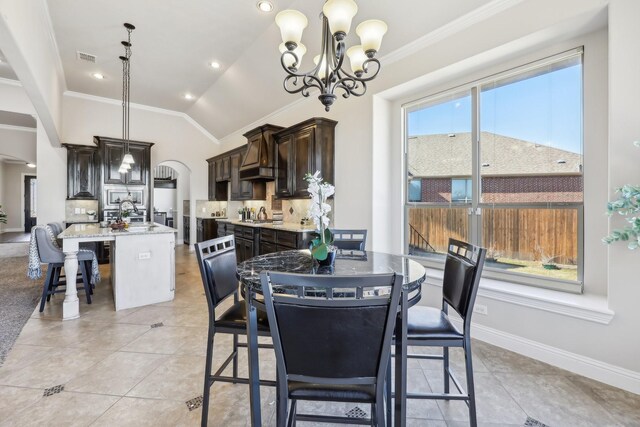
(127,160)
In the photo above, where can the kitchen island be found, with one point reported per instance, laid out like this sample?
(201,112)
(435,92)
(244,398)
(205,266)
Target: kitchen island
(142,264)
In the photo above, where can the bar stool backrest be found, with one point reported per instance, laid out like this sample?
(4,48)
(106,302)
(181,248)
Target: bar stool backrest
(462,271)
(217,262)
(48,253)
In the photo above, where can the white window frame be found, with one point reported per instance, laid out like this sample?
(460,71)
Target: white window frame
(475,207)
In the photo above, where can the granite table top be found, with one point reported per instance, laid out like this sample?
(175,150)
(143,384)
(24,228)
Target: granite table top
(76,231)
(347,263)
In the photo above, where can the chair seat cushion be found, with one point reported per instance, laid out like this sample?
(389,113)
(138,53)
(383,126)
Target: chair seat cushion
(236,317)
(336,393)
(428,323)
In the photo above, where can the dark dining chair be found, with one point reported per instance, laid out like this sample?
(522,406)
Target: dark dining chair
(350,239)
(332,348)
(217,261)
(432,327)
(53,256)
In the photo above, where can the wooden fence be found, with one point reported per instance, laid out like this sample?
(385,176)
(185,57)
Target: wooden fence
(524,233)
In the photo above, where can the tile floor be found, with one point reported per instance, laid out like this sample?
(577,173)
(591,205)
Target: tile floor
(14,237)
(114,368)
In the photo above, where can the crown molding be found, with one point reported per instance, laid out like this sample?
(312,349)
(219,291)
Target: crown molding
(18,128)
(465,21)
(10,82)
(117,102)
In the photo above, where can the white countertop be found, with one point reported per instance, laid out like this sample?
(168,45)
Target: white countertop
(95,231)
(287,226)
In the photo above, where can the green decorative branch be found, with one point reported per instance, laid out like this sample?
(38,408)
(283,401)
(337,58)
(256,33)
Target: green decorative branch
(628,206)
(3,216)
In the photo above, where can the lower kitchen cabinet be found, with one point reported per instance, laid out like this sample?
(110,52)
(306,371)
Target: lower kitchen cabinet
(247,242)
(186,229)
(206,229)
(283,240)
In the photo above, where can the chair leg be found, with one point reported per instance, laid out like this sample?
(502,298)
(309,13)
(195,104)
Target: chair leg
(378,410)
(470,387)
(388,391)
(445,365)
(54,281)
(46,286)
(282,401)
(85,281)
(89,268)
(235,358)
(292,414)
(207,378)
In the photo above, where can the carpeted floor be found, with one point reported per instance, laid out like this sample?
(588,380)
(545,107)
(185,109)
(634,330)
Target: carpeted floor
(18,298)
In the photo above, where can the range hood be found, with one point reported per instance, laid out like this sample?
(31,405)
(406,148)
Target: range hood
(258,163)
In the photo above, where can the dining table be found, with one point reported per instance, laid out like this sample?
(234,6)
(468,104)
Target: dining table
(347,262)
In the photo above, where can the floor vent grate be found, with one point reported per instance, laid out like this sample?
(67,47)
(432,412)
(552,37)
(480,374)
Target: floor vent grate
(356,413)
(53,390)
(194,403)
(531,422)
(157,325)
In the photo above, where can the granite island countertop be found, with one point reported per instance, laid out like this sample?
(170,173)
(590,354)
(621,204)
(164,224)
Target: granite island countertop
(95,231)
(287,226)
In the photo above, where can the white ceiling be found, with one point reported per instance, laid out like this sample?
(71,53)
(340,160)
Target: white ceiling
(175,40)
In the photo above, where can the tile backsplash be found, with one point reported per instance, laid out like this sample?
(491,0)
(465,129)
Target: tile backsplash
(71,205)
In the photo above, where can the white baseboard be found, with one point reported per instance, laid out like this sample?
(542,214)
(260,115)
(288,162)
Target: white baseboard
(578,364)
(11,230)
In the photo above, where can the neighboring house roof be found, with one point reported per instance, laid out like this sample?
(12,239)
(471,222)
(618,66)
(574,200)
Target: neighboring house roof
(450,156)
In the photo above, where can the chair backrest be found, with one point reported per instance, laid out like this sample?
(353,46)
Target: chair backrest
(462,271)
(217,262)
(46,249)
(56,227)
(332,340)
(350,239)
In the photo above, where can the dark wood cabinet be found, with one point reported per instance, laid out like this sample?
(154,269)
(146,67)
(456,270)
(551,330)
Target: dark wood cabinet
(247,242)
(223,168)
(244,189)
(218,190)
(235,176)
(206,229)
(304,148)
(282,240)
(186,229)
(113,150)
(82,172)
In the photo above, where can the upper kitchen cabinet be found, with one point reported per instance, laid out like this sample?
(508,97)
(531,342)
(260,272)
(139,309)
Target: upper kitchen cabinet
(223,168)
(113,150)
(244,189)
(82,172)
(218,191)
(258,162)
(304,148)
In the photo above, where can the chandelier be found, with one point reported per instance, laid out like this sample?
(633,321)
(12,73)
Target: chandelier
(329,73)
(127,160)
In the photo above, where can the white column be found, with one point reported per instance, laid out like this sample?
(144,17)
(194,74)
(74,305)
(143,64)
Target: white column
(71,305)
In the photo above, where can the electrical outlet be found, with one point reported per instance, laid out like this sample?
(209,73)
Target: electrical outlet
(481,309)
(83,211)
(144,255)
(76,211)
(204,209)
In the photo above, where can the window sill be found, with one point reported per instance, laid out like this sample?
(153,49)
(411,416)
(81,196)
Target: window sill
(593,308)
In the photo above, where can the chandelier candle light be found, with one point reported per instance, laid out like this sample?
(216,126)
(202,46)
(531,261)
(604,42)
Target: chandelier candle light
(127,160)
(328,73)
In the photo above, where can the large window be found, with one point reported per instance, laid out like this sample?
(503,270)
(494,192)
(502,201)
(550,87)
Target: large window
(500,164)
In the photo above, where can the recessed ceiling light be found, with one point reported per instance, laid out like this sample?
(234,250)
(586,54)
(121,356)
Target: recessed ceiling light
(98,76)
(215,64)
(31,165)
(265,6)
(188,96)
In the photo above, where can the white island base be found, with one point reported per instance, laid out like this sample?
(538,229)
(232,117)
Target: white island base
(142,264)
(143,270)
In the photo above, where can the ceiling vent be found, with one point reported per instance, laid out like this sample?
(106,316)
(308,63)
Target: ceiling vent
(86,57)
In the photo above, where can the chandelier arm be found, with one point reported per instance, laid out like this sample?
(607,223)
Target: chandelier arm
(308,82)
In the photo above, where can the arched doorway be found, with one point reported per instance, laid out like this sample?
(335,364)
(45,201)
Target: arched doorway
(170,192)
